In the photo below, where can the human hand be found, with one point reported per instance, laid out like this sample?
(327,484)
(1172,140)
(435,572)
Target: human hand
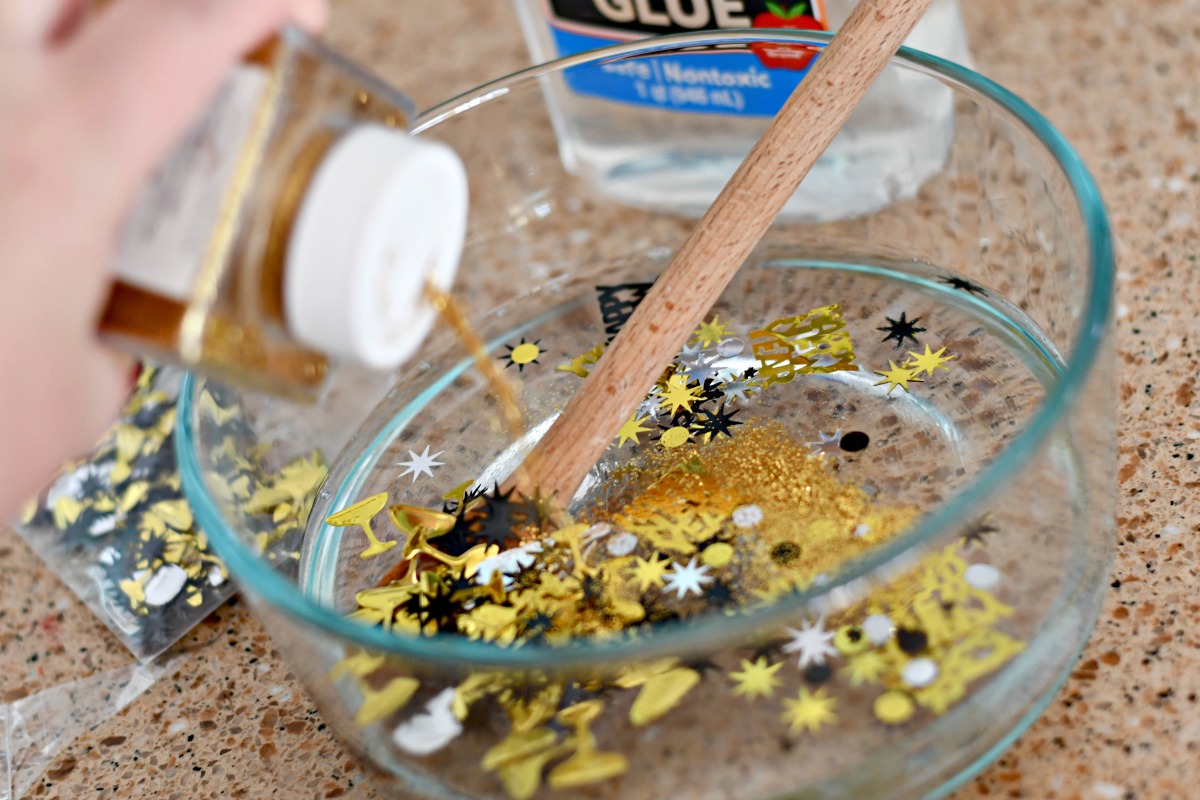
(90,104)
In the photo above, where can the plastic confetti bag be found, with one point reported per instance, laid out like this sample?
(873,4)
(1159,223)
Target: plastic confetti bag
(117,529)
(35,729)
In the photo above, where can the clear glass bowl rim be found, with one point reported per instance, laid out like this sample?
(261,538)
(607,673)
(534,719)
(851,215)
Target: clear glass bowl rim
(715,630)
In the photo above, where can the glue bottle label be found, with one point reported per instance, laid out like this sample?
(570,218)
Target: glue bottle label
(755,83)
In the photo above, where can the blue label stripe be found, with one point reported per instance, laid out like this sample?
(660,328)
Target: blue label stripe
(725,83)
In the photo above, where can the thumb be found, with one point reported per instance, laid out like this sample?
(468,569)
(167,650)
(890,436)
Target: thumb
(143,70)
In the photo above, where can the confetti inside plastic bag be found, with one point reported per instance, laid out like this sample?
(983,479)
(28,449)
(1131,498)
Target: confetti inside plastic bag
(117,529)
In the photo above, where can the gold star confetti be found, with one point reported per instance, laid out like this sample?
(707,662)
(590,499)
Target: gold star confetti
(897,376)
(809,711)
(757,679)
(630,430)
(866,667)
(678,395)
(710,333)
(928,361)
(650,573)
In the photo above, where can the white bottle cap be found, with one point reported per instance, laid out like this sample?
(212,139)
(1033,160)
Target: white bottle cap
(384,213)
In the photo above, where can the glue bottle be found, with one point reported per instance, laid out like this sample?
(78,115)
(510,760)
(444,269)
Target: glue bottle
(668,132)
(297,224)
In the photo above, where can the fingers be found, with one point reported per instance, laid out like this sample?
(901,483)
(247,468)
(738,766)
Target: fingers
(34,22)
(143,70)
(310,14)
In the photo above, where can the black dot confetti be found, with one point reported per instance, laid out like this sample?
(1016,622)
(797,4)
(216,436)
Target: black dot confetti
(855,441)
(911,642)
(785,552)
(818,673)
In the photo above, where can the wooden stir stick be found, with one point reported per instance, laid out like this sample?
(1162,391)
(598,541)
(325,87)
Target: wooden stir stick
(707,261)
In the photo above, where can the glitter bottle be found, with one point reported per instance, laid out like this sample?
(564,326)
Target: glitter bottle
(296,224)
(643,130)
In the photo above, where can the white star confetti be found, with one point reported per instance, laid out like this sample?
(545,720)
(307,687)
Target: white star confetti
(420,464)
(649,406)
(700,369)
(692,353)
(735,390)
(690,579)
(812,642)
(830,444)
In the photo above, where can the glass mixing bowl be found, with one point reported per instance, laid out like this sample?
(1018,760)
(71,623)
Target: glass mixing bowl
(849,546)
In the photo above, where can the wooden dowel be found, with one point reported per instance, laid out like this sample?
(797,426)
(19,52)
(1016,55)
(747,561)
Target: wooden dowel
(718,245)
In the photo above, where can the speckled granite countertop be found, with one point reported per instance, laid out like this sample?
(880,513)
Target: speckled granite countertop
(227,718)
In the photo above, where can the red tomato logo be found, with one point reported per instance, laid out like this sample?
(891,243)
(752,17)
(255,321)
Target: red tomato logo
(786,56)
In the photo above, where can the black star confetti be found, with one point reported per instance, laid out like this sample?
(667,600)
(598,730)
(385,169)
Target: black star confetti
(439,609)
(962,284)
(901,329)
(718,423)
(977,531)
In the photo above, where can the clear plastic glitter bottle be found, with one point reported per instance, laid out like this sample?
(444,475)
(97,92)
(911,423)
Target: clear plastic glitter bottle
(627,126)
(296,224)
